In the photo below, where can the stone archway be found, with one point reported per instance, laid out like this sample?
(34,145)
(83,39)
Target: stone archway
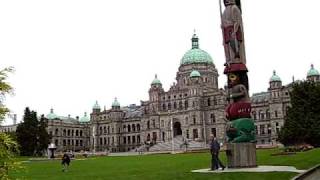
(177,131)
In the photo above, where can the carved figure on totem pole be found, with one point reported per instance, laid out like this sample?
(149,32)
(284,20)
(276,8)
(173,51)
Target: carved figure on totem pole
(241,127)
(232,27)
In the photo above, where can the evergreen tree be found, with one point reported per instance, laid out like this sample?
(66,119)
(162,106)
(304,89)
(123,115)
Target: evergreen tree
(42,136)
(27,133)
(302,123)
(32,135)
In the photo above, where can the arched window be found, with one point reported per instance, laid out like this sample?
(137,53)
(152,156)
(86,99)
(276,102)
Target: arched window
(163,107)
(57,131)
(80,132)
(212,118)
(209,102)
(268,114)
(129,128)
(180,104)
(148,124)
(138,127)
(254,115)
(133,127)
(186,104)
(77,133)
(153,123)
(174,105)
(169,106)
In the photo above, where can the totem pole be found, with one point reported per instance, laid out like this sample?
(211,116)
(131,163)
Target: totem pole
(240,131)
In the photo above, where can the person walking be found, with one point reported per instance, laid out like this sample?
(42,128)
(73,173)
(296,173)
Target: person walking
(214,149)
(65,162)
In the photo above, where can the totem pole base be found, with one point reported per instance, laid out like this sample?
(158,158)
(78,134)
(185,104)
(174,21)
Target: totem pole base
(241,155)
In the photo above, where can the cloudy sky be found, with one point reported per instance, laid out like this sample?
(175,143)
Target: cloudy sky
(70,53)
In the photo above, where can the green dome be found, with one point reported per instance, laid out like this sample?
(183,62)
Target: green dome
(51,115)
(84,119)
(195,54)
(115,103)
(313,72)
(195,73)
(96,106)
(155,81)
(274,77)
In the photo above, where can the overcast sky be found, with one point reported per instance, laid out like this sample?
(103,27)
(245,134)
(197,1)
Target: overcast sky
(70,53)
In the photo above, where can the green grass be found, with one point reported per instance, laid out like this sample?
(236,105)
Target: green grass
(162,167)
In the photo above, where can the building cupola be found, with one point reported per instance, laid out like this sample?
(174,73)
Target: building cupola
(156,81)
(115,104)
(84,119)
(196,55)
(51,115)
(96,108)
(275,81)
(313,74)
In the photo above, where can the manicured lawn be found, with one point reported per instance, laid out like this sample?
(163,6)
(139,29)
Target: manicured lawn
(160,167)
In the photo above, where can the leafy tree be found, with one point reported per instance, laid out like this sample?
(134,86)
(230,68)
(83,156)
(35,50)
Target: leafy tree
(43,136)
(32,134)
(302,123)
(8,147)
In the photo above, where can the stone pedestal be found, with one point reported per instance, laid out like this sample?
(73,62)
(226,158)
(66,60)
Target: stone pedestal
(241,155)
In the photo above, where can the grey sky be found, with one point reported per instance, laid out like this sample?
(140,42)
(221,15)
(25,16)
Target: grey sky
(67,54)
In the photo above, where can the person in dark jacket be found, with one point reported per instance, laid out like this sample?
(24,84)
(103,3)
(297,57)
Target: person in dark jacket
(215,161)
(65,162)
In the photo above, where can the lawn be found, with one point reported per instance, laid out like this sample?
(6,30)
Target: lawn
(161,167)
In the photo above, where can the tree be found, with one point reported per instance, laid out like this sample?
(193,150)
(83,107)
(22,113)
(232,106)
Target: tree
(32,135)
(26,133)
(43,136)
(302,123)
(8,146)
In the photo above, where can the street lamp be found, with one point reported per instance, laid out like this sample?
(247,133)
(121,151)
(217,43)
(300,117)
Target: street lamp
(172,136)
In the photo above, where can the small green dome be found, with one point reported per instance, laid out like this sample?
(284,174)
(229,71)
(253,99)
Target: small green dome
(51,115)
(195,54)
(115,103)
(195,73)
(96,106)
(274,77)
(155,81)
(84,119)
(313,72)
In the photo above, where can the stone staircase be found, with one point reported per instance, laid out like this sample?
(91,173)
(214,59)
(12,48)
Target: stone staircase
(179,144)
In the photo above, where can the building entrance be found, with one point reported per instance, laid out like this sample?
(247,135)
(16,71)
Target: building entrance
(177,129)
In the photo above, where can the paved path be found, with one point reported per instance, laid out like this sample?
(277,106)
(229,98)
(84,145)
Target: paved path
(257,169)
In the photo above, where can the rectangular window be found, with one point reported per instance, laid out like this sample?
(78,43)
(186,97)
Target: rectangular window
(195,133)
(213,132)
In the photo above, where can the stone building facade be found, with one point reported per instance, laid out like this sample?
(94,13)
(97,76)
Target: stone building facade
(193,108)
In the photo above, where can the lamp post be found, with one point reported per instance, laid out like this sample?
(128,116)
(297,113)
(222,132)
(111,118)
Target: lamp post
(172,136)
(52,147)
(93,137)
